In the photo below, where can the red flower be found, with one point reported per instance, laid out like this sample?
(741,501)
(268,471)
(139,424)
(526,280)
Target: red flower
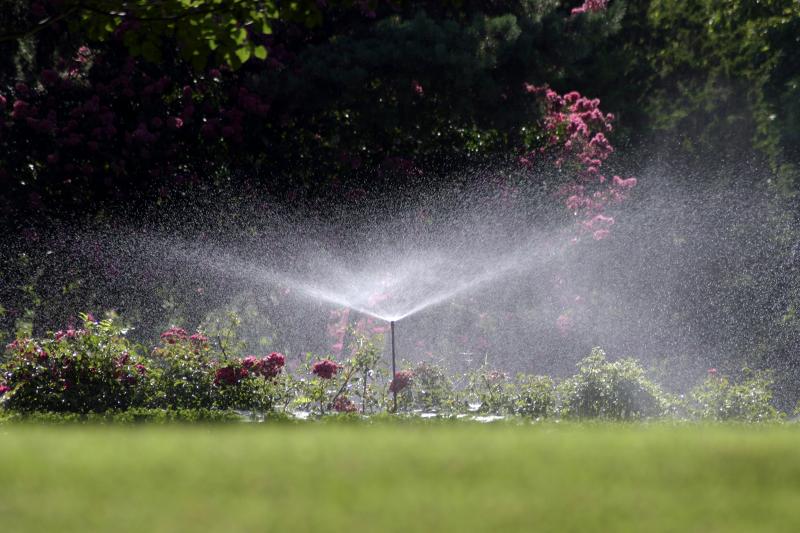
(250,362)
(229,375)
(273,363)
(174,335)
(325,368)
(401,380)
(343,404)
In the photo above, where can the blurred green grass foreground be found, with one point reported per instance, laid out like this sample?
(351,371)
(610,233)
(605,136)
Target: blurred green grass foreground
(399,477)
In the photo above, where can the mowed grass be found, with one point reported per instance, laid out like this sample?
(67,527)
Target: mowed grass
(399,477)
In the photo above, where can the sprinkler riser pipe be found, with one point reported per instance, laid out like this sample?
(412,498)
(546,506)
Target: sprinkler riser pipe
(394,367)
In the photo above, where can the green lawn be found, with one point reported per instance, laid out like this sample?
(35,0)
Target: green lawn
(403,477)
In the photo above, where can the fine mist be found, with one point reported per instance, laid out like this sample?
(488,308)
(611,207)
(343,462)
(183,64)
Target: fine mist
(689,278)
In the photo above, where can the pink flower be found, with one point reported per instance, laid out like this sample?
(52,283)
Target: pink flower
(141,369)
(418,90)
(712,372)
(325,368)
(19,345)
(20,109)
(624,183)
(600,234)
(401,381)
(4,389)
(174,123)
(590,6)
(564,324)
(174,335)
(69,334)
(199,339)
(600,222)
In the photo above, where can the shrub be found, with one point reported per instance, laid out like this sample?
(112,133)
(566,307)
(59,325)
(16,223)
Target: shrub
(497,394)
(430,390)
(535,396)
(91,369)
(616,391)
(193,376)
(186,372)
(719,398)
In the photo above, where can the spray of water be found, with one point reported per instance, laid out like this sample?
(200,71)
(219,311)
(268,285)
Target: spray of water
(690,277)
(391,284)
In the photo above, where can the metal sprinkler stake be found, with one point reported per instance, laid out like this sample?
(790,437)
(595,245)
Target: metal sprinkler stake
(394,368)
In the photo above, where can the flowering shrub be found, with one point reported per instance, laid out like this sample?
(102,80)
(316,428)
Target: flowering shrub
(719,398)
(575,131)
(617,391)
(193,376)
(91,369)
(187,372)
(95,369)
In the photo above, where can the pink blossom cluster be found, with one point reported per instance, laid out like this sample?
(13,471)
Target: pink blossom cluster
(174,335)
(4,389)
(198,339)
(325,368)
(575,130)
(590,6)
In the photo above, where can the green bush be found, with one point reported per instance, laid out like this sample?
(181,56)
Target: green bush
(535,396)
(718,398)
(430,390)
(615,390)
(497,394)
(186,372)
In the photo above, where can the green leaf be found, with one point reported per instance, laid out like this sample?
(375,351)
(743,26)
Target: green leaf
(260,52)
(243,53)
